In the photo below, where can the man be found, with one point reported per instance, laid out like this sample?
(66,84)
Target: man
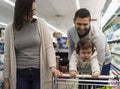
(83,29)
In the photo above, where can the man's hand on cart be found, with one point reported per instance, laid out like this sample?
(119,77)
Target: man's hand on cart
(95,74)
(56,72)
(73,73)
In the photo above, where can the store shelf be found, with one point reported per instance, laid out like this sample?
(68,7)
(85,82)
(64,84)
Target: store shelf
(62,50)
(116,61)
(62,55)
(116,53)
(114,70)
(112,32)
(2,32)
(114,40)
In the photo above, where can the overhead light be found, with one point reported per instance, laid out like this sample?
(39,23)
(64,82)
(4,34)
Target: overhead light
(1,23)
(78,4)
(52,27)
(56,29)
(9,2)
(113,7)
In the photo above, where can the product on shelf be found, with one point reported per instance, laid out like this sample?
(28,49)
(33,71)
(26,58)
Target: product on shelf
(113,37)
(2,32)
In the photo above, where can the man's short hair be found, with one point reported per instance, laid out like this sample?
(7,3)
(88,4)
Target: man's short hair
(82,13)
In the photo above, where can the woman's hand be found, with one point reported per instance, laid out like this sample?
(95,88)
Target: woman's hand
(73,73)
(56,72)
(95,74)
(6,84)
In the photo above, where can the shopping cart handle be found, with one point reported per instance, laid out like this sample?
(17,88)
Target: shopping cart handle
(89,76)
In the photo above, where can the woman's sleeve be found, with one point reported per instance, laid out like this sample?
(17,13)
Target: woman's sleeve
(50,52)
(7,53)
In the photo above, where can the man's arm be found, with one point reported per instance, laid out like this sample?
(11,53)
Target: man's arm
(71,47)
(100,43)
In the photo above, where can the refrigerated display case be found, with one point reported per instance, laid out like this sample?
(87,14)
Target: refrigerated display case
(110,24)
(2,32)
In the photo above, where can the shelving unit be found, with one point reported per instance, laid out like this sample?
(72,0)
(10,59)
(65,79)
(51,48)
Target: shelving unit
(63,61)
(2,31)
(115,53)
(113,36)
(61,47)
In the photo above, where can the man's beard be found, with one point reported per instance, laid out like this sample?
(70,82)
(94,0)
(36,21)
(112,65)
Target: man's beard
(86,31)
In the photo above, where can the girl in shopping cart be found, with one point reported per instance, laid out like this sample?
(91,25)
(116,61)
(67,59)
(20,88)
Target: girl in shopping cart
(84,60)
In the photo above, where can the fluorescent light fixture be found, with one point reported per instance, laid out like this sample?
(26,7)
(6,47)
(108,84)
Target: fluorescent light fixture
(9,2)
(113,7)
(1,23)
(78,4)
(56,29)
(52,27)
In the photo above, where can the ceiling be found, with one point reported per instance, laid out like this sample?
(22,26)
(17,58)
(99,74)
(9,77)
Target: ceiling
(58,13)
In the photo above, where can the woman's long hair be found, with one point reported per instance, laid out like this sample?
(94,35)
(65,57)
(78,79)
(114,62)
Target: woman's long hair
(22,8)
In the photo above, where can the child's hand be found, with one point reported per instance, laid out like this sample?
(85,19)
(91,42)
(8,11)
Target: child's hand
(73,73)
(95,74)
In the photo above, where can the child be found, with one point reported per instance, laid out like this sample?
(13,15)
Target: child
(85,59)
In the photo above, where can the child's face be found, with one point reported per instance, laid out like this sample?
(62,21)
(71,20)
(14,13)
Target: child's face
(85,54)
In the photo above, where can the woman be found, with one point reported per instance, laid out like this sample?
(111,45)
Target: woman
(29,52)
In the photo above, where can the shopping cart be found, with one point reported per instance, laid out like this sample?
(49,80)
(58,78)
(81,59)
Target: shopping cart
(85,82)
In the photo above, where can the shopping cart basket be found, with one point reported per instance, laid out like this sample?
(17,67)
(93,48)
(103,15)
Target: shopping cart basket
(86,82)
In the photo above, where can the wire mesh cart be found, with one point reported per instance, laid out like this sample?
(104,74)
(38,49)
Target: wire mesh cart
(85,82)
